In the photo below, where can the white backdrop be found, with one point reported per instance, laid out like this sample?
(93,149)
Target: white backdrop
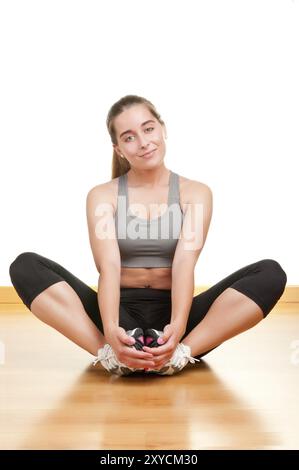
(223,75)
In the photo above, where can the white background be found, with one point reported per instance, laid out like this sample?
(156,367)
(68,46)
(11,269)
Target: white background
(223,75)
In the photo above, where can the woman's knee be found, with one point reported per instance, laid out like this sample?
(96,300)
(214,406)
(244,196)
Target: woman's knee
(275,275)
(19,267)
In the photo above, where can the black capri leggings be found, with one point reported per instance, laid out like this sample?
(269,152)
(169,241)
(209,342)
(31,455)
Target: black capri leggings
(263,281)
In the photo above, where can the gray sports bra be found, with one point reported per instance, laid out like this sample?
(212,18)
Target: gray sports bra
(148,243)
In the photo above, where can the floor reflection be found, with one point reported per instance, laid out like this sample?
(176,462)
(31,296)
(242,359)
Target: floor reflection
(194,409)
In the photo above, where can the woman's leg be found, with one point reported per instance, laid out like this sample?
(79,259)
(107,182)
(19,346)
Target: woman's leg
(60,307)
(233,305)
(61,300)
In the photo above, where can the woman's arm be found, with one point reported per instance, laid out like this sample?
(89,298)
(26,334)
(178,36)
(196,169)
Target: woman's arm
(105,250)
(182,291)
(194,232)
(191,242)
(109,298)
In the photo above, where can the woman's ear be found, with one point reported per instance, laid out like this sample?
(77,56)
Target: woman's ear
(116,149)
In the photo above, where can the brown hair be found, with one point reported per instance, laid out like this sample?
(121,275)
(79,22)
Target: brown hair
(121,165)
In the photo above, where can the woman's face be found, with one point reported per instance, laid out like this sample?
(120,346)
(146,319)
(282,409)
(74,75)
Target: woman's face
(138,132)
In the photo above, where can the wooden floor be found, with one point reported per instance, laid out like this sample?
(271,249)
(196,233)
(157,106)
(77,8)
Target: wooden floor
(244,395)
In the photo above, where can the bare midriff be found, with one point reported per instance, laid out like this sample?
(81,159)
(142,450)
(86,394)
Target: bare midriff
(155,278)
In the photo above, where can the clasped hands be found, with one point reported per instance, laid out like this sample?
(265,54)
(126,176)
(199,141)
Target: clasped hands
(149,358)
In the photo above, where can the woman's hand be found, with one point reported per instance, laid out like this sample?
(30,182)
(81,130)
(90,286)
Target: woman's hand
(170,339)
(121,344)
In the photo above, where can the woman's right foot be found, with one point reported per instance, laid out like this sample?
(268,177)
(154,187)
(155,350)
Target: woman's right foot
(107,357)
(138,335)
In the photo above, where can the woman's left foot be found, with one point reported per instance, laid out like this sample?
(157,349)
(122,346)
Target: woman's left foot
(179,359)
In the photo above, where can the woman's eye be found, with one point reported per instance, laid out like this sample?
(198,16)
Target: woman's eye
(126,140)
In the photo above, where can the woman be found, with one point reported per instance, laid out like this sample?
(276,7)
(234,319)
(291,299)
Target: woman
(144,316)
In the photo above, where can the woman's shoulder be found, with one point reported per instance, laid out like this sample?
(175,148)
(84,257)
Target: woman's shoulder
(106,187)
(188,185)
(105,192)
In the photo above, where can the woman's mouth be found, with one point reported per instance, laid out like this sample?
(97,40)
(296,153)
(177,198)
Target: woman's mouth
(149,154)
